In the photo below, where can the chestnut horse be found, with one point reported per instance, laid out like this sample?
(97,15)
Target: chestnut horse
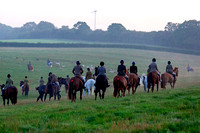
(75,84)
(152,80)
(133,81)
(10,93)
(168,78)
(120,84)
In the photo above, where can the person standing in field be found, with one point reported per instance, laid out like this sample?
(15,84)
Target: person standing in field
(26,86)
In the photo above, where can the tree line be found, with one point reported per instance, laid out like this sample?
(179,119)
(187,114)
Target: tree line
(184,35)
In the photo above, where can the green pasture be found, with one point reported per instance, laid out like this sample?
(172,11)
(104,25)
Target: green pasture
(166,110)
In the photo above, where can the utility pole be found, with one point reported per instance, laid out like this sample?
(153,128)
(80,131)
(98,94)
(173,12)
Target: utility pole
(95,12)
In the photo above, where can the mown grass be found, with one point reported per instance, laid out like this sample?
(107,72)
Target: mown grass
(164,111)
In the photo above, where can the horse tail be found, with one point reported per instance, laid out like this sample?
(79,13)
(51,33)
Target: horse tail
(70,88)
(149,80)
(116,86)
(162,81)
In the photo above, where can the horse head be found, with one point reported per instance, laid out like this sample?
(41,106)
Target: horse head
(21,83)
(96,71)
(176,71)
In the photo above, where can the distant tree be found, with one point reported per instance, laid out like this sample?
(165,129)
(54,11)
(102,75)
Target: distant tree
(45,26)
(115,31)
(171,26)
(29,27)
(81,30)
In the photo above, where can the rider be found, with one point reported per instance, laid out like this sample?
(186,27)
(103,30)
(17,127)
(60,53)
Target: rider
(41,81)
(122,71)
(49,78)
(9,82)
(153,67)
(54,80)
(88,74)
(78,70)
(133,69)
(102,71)
(169,69)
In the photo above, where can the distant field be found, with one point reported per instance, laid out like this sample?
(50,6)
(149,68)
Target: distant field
(62,43)
(179,107)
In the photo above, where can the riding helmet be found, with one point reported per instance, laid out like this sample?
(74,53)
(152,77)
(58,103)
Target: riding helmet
(101,63)
(154,59)
(78,62)
(169,62)
(133,63)
(122,61)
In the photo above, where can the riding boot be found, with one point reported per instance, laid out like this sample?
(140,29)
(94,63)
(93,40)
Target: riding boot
(138,81)
(174,77)
(128,84)
(107,85)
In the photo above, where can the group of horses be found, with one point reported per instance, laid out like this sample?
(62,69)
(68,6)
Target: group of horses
(75,84)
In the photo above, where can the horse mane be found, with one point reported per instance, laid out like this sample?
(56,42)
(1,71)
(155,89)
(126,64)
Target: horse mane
(176,68)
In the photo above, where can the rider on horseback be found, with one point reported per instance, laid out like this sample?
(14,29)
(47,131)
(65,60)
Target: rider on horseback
(77,71)
(169,69)
(9,82)
(133,69)
(153,67)
(88,74)
(102,71)
(122,71)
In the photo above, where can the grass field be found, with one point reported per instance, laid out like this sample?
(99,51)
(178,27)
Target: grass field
(168,110)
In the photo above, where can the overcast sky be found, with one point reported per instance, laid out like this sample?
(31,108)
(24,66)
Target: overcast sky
(140,15)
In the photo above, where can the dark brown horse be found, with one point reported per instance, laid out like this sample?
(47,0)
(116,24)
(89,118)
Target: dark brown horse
(75,85)
(63,81)
(100,86)
(53,90)
(168,78)
(120,84)
(10,93)
(152,79)
(133,81)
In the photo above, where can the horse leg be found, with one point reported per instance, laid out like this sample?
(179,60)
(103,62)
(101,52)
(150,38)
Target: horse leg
(128,90)
(103,94)
(95,95)
(45,96)
(84,92)
(100,94)
(89,92)
(81,92)
(4,100)
(157,86)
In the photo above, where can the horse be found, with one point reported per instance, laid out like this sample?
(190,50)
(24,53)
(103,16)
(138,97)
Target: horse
(41,90)
(133,81)
(168,78)
(25,88)
(63,81)
(89,86)
(75,85)
(152,79)
(120,84)
(53,90)
(100,86)
(10,93)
